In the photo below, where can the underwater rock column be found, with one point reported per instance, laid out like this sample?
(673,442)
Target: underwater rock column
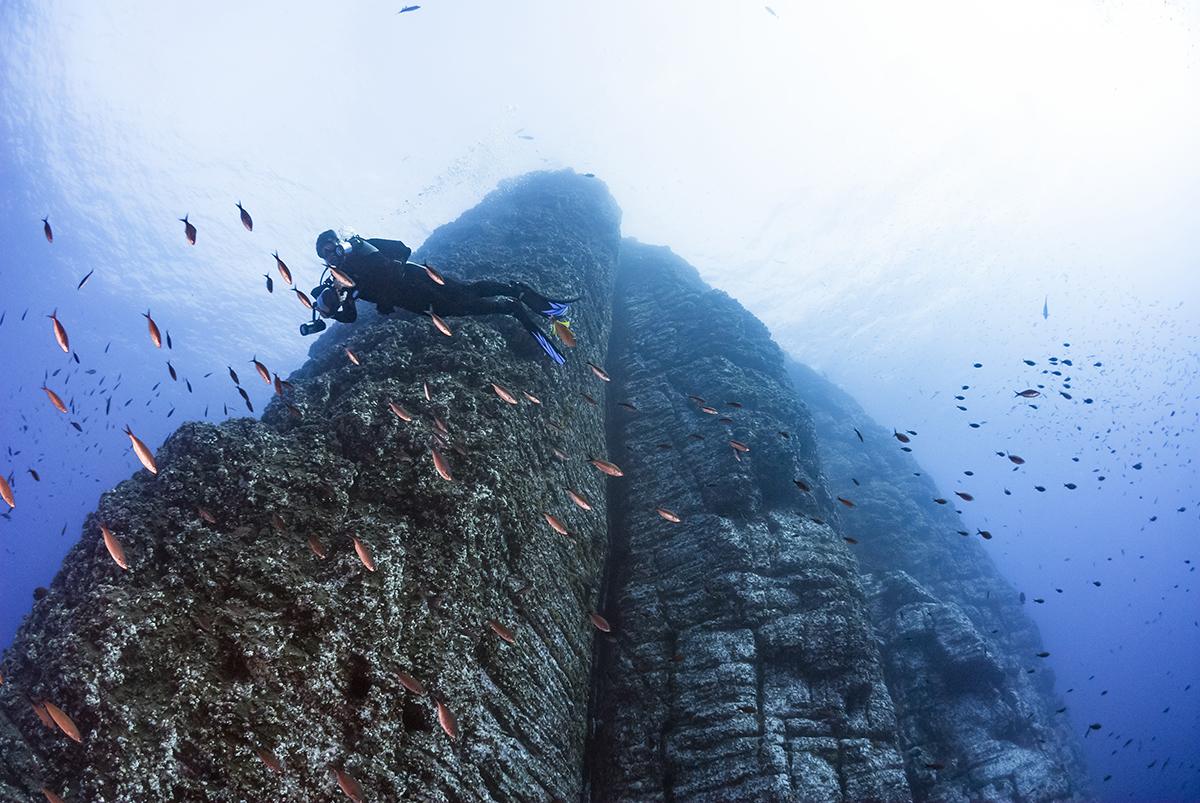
(310,604)
(979,718)
(741,664)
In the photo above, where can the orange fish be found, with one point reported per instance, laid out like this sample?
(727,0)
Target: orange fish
(114,547)
(739,446)
(447,721)
(278,385)
(55,399)
(577,499)
(348,785)
(440,464)
(438,322)
(189,230)
(432,273)
(303,298)
(401,413)
(601,623)
(278,523)
(555,524)
(353,357)
(849,540)
(205,515)
(504,394)
(709,410)
(900,436)
(46,230)
(1016,460)
(51,797)
(246,220)
(6,493)
(845,501)
(600,373)
(409,682)
(502,631)
(63,721)
(559,453)
(316,547)
(364,554)
(666,514)
(341,278)
(966,497)
(42,715)
(262,369)
(143,453)
(60,333)
(268,758)
(283,269)
(589,399)
(606,467)
(531,397)
(564,334)
(155,335)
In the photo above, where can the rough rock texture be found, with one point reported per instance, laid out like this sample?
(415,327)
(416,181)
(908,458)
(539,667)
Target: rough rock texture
(956,645)
(226,638)
(754,655)
(742,665)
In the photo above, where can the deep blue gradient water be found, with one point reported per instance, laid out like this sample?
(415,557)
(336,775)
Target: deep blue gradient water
(894,192)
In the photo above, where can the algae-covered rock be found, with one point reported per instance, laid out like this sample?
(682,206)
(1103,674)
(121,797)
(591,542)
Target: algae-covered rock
(232,637)
(742,665)
(977,712)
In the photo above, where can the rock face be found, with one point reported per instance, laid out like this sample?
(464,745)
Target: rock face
(742,664)
(956,646)
(309,604)
(229,638)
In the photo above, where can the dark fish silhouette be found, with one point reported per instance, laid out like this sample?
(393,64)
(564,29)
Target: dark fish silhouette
(246,220)
(46,230)
(406,9)
(83,281)
(189,230)
(270,284)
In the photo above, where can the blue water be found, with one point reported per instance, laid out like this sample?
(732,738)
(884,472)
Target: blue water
(894,191)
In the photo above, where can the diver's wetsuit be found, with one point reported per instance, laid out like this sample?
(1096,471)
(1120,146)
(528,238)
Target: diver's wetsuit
(388,280)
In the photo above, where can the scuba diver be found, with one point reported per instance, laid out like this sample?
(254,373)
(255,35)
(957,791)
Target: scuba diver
(383,275)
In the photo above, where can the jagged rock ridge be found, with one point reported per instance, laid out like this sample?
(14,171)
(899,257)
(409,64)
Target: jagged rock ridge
(226,638)
(957,647)
(754,654)
(743,665)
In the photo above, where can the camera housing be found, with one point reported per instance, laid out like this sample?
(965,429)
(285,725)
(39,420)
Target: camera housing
(312,327)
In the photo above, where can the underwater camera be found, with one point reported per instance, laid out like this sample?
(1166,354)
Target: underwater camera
(325,301)
(312,327)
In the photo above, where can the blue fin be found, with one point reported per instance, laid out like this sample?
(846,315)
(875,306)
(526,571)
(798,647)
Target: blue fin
(547,346)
